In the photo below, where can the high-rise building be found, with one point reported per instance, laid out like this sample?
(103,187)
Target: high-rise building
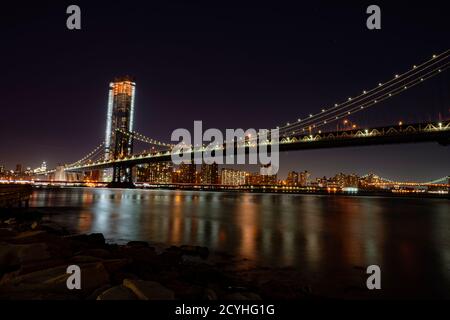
(119,125)
(160,172)
(187,173)
(303,178)
(233,177)
(345,180)
(209,173)
(119,119)
(18,169)
(292,178)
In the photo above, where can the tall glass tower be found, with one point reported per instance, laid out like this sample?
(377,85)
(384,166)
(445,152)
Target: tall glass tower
(119,124)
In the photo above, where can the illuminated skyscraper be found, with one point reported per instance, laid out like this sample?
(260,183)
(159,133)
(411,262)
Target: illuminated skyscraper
(119,125)
(233,177)
(292,178)
(120,117)
(209,173)
(187,173)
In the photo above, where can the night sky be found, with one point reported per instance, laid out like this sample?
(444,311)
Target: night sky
(230,64)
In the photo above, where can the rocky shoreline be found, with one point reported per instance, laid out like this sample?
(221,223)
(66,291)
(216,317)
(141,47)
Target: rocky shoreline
(34,256)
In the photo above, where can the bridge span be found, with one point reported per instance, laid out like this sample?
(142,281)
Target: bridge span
(438,132)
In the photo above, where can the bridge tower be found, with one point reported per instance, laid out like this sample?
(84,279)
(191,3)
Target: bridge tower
(119,126)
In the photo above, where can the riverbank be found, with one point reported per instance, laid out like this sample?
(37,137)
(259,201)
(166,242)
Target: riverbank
(281,190)
(34,256)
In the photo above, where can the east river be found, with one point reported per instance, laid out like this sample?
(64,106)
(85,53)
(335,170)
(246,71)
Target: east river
(326,237)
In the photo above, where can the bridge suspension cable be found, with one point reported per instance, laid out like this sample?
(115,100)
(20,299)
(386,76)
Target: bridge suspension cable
(376,95)
(359,107)
(443,180)
(417,73)
(90,155)
(140,137)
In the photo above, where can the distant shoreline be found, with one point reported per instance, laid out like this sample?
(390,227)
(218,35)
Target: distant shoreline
(270,190)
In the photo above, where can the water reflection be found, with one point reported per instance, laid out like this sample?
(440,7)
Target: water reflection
(318,234)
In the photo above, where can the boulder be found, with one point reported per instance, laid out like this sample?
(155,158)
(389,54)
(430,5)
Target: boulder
(137,244)
(30,235)
(149,290)
(117,293)
(114,265)
(97,292)
(53,228)
(53,280)
(99,253)
(242,296)
(10,221)
(16,254)
(210,294)
(95,239)
(202,252)
(7,233)
(84,259)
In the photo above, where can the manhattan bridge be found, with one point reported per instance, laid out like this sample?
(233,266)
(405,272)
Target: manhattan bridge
(116,153)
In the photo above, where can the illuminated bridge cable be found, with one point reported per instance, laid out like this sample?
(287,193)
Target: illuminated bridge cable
(371,103)
(400,85)
(374,95)
(362,106)
(140,137)
(397,80)
(329,117)
(89,155)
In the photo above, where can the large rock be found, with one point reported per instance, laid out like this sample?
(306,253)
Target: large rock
(17,254)
(53,228)
(31,235)
(7,233)
(202,252)
(149,290)
(40,265)
(84,259)
(242,296)
(94,239)
(53,280)
(137,244)
(99,253)
(117,293)
(114,265)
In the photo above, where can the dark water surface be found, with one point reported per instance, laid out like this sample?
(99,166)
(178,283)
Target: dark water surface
(323,236)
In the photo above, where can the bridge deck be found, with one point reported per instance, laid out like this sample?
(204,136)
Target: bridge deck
(409,133)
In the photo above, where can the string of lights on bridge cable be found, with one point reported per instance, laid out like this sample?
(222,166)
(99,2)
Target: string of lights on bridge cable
(99,148)
(98,152)
(368,98)
(444,181)
(142,138)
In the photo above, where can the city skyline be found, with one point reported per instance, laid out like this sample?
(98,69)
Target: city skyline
(203,154)
(247,92)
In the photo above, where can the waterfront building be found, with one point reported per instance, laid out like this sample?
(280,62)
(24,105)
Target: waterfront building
(292,179)
(159,172)
(233,177)
(209,173)
(187,173)
(343,180)
(303,178)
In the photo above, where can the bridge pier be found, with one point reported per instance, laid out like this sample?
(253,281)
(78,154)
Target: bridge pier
(122,177)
